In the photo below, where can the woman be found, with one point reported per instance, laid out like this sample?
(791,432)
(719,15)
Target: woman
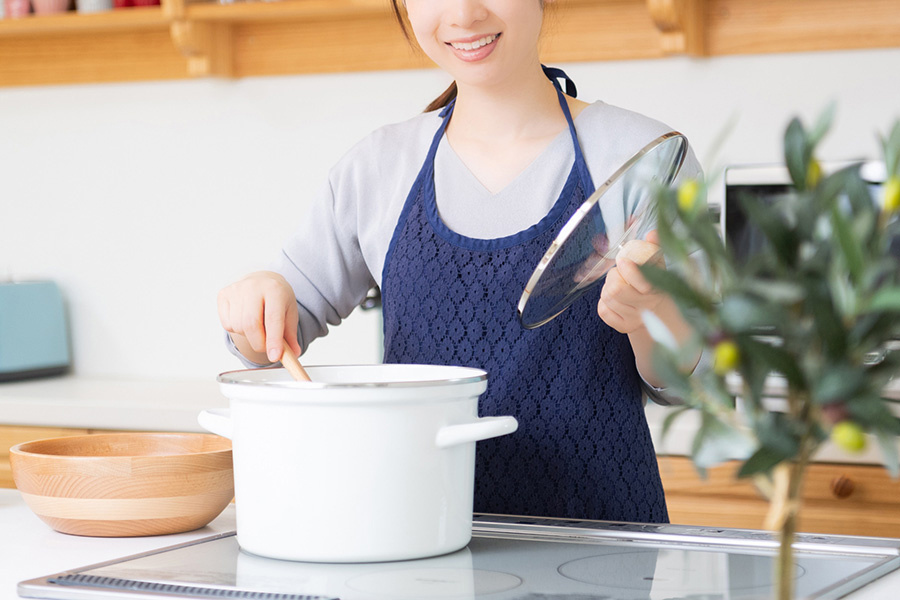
(449,213)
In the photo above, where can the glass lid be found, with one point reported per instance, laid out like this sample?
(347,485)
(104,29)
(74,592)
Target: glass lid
(620,210)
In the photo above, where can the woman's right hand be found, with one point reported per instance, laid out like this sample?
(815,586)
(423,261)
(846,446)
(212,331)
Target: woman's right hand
(260,311)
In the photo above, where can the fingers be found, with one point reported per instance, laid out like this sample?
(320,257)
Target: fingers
(612,318)
(614,306)
(274,338)
(639,252)
(239,318)
(631,274)
(263,310)
(281,327)
(621,304)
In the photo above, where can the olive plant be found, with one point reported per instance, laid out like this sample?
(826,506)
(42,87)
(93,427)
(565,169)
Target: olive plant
(818,305)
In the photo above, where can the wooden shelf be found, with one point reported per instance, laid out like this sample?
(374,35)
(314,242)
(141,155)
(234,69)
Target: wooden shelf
(180,40)
(71,22)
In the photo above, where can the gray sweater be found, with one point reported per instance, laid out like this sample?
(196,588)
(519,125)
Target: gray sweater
(337,253)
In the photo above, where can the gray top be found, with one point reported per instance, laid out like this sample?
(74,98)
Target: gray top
(337,253)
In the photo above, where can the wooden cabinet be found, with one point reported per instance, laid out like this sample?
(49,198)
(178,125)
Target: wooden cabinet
(837,498)
(182,39)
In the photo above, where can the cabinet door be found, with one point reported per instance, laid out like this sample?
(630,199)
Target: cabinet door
(837,498)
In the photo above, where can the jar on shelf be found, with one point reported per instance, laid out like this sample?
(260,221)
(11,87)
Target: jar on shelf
(93,6)
(50,7)
(17,8)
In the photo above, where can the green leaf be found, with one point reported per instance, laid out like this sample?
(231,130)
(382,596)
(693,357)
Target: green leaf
(885,299)
(828,323)
(779,292)
(844,294)
(762,461)
(888,443)
(776,230)
(745,314)
(823,124)
(871,411)
(796,153)
(659,331)
(666,364)
(719,443)
(780,433)
(870,330)
(838,383)
(849,245)
(674,413)
(891,150)
(676,287)
(771,358)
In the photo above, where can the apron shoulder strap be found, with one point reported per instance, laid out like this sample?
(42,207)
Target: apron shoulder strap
(554,75)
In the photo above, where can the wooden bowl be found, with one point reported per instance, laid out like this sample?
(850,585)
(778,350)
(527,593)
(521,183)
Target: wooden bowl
(125,484)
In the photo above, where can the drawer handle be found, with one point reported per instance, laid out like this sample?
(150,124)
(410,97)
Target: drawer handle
(842,486)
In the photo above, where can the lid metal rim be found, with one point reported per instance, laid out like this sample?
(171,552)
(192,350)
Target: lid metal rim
(223,378)
(575,219)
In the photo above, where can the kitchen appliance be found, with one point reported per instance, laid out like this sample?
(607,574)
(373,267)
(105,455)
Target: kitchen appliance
(770,184)
(363,463)
(34,334)
(622,209)
(508,558)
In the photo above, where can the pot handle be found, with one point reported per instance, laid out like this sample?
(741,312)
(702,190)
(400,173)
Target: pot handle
(482,429)
(216,420)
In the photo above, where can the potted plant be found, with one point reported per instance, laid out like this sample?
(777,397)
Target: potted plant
(817,307)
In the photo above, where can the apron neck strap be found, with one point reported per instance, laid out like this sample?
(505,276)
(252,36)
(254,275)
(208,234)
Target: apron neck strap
(554,75)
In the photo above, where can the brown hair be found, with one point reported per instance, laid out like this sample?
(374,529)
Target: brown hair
(448,94)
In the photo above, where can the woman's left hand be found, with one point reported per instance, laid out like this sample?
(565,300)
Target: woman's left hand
(626,294)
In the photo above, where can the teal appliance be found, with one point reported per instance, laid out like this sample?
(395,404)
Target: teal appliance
(34,333)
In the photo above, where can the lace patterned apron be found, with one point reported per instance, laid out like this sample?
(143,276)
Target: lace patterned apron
(583,449)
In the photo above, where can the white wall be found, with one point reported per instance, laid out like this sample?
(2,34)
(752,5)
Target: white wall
(142,200)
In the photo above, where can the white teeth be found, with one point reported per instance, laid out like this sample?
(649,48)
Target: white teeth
(474,45)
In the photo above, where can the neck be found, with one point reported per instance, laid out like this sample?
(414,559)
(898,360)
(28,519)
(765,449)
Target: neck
(525,108)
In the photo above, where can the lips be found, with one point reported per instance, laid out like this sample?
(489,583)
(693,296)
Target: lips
(474,48)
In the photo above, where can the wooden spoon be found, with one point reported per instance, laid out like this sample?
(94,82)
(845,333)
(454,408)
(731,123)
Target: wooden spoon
(293,366)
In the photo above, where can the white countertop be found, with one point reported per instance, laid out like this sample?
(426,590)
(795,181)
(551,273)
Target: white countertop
(30,549)
(94,403)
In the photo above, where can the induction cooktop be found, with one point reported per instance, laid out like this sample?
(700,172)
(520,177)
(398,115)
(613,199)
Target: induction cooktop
(509,558)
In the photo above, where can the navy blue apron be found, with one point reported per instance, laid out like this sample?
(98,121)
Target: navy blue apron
(583,449)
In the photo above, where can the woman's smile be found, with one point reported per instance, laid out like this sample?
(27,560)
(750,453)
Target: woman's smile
(474,48)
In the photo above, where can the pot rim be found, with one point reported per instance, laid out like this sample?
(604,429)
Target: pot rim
(476,375)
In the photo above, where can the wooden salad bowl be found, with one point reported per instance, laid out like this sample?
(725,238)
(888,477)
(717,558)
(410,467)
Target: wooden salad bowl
(125,484)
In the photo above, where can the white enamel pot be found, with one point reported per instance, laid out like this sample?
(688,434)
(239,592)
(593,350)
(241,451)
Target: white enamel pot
(362,464)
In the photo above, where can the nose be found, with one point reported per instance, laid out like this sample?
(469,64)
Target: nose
(465,13)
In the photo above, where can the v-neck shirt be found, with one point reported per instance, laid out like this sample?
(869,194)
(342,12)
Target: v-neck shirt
(521,203)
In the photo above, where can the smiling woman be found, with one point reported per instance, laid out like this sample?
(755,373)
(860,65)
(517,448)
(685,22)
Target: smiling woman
(450,93)
(448,213)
